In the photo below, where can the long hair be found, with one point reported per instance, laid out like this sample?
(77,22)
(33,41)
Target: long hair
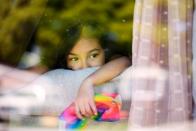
(75,33)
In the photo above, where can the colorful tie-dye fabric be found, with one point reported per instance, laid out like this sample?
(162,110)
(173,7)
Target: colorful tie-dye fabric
(162,36)
(108,109)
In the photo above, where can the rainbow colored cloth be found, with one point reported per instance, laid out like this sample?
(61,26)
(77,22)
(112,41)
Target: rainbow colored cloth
(108,109)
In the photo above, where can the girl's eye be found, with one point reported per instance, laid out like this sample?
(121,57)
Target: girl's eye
(74,59)
(92,56)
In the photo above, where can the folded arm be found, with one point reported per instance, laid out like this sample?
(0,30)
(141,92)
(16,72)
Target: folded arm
(84,102)
(109,71)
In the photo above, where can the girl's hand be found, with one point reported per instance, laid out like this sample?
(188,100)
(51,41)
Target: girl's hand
(84,103)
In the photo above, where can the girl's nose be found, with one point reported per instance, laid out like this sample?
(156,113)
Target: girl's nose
(84,64)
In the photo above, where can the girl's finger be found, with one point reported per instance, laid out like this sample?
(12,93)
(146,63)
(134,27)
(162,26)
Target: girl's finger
(78,111)
(93,107)
(88,109)
(82,108)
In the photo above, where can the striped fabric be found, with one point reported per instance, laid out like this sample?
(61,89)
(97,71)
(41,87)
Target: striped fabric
(162,40)
(194,62)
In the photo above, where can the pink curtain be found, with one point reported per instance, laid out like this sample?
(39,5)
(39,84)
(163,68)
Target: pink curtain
(194,60)
(162,46)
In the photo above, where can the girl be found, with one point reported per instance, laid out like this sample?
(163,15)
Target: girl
(88,51)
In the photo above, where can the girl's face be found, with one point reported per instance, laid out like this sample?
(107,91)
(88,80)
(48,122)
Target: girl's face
(86,53)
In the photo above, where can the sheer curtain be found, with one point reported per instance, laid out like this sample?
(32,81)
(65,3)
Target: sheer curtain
(194,61)
(162,62)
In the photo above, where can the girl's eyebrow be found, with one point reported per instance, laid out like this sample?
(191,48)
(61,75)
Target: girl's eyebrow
(72,54)
(94,50)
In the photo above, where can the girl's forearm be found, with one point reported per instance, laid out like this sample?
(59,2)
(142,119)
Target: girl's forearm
(109,71)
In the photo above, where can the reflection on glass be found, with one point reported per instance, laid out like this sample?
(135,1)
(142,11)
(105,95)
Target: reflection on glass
(34,36)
